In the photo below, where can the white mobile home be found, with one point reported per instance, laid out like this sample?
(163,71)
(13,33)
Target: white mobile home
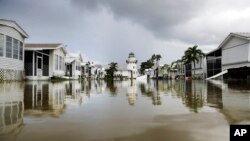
(232,57)
(44,61)
(73,65)
(236,51)
(11,50)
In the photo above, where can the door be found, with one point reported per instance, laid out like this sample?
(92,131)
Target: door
(69,70)
(39,66)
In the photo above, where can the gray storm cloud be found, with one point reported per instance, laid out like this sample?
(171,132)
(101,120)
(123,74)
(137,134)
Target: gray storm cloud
(107,30)
(159,16)
(191,21)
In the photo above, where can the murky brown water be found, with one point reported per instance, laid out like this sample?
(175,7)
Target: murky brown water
(131,111)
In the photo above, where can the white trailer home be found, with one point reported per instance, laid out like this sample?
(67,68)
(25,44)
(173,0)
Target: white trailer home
(44,61)
(73,65)
(12,38)
(232,57)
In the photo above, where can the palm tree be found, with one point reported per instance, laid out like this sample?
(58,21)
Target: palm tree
(192,54)
(157,57)
(153,58)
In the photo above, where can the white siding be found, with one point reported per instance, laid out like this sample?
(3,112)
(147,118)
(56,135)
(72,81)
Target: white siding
(124,73)
(11,32)
(9,63)
(235,51)
(234,41)
(11,69)
(53,71)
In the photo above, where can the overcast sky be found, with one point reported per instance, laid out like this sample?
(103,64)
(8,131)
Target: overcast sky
(107,30)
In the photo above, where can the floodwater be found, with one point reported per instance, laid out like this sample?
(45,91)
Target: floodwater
(122,110)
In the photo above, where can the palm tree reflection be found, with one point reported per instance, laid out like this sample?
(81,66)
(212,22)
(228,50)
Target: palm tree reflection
(194,97)
(112,88)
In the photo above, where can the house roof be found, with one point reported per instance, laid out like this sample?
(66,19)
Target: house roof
(70,57)
(14,25)
(74,55)
(69,60)
(42,46)
(243,35)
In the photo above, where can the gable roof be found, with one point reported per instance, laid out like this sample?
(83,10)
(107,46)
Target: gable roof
(70,57)
(42,46)
(242,35)
(14,25)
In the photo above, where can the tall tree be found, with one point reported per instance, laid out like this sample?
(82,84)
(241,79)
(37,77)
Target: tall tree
(192,54)
(111,70)
(153,57)
(157,58)
(146,65)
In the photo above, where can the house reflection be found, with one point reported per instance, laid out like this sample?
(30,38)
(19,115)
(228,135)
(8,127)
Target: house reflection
(41,97)
(236,102)
(214,94)
(193,93)
(73,95)
(11,107)
(92,86)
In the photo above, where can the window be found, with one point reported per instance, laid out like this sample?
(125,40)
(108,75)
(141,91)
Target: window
(8,47)
(15,48)
(62,63)
(77,65)
(20,51)
(1,44)
(56,62)
(59,62)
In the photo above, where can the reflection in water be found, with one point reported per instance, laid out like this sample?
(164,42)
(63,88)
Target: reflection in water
(41,98)
(151,89)
(11,107)
(73,93)
(195,95)
(132,92)
(214,94)
(236,102)
(112,88)
(98,107)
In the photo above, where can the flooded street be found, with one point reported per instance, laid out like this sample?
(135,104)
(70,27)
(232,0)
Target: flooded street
(122,111)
